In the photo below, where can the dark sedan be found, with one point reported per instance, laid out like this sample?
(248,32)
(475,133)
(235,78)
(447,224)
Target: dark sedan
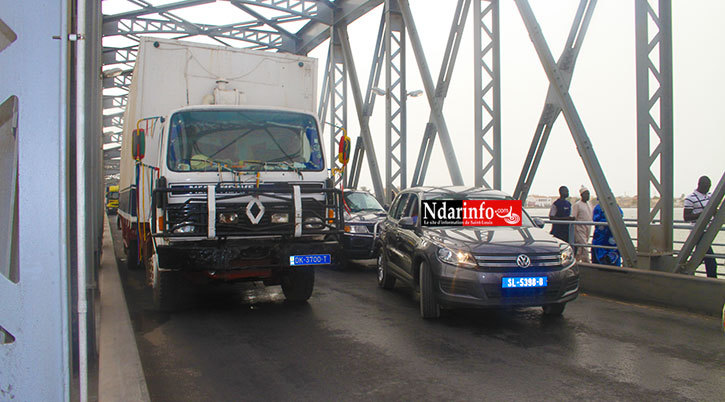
(473,266)
(362,215)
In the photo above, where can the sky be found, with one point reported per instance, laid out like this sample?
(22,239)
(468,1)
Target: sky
(603,90)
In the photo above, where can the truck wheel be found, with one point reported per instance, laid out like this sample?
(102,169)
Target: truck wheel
(298,284)
(554,309)
(165,286)
(385,280)
(132,262)
(429,307)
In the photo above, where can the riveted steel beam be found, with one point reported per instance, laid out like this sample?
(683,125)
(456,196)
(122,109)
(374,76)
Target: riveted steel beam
(444,78)
(552,109)
(653,47)
(583,144)
(360,108)
(436,108)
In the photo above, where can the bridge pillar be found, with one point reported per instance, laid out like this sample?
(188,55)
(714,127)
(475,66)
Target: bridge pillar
(654,133)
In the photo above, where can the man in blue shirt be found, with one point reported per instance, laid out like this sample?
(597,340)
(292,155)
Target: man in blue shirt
(561,211)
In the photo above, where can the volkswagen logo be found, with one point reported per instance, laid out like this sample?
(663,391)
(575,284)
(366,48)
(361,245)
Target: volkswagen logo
(523,261)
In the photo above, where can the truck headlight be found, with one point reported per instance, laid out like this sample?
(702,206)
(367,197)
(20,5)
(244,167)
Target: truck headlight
(458,257)
(280,218)
(313,223)
(184,229)
(228,217)
(566,254)
(356,229)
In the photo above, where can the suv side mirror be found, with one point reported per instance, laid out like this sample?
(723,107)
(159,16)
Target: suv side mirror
(407,223)
(539,223)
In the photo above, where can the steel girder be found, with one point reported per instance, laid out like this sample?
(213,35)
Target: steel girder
(552,107)
(361,113)
(706,227)
(654,241)
(317,31)
(487,81)
(337,95)
(373,82)
(583,144)
(434,102)
(395,102)
(441,90)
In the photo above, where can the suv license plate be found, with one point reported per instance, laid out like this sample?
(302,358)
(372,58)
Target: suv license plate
(311,259)
(524,282)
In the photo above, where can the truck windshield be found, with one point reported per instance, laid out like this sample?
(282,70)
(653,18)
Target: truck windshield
(254,140)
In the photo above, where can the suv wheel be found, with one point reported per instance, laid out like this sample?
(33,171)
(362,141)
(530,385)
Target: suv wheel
(429,307)
(385,280)
(554,309)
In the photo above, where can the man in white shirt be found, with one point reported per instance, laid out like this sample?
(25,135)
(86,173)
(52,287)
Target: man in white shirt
(582,211)
(694,205)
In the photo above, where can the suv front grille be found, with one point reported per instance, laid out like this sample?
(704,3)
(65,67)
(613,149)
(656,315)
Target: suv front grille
(509,260)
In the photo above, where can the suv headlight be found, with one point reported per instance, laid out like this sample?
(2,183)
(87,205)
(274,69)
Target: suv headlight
(566,255)
(356,229)
(459,258)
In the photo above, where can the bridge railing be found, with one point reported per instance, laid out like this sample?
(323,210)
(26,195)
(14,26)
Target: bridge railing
(632,223)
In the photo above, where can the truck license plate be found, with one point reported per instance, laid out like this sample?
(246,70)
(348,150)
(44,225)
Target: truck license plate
(311,259)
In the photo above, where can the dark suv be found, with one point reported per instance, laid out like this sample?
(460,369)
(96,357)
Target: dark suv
(477,266)
(363,213)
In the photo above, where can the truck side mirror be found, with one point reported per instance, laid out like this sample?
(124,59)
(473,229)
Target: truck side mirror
(538,222)
(138,144)
(343,154)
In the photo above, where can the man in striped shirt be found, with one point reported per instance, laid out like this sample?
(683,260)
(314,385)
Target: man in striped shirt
(694,205)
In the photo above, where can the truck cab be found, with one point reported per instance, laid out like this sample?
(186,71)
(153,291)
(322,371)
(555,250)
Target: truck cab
(223,189)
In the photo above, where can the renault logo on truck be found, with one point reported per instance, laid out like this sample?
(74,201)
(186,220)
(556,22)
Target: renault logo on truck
(252,217)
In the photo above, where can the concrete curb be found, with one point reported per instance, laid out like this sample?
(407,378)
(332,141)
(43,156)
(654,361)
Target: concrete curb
(120,376)
(676,291)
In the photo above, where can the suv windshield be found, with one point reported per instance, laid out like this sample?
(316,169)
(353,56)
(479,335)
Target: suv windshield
(360,201)
(209,140)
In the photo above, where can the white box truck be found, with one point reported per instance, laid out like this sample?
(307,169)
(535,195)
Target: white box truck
(223,175)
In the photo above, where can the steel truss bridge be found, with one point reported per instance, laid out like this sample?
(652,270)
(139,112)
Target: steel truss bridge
(94,75)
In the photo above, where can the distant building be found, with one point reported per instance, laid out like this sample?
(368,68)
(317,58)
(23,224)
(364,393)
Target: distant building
(537,201)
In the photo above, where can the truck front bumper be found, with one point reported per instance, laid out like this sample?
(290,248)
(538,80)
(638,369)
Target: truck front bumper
(235,255)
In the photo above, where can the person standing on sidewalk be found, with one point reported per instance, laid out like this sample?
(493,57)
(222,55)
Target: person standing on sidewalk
(582,211)
(561,211)
(694,205)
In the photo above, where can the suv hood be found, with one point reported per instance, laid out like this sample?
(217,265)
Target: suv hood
(495,240)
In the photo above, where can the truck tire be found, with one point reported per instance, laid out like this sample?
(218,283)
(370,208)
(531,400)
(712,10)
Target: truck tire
(385,280)
(132,262)
(429,307)
(166,287)
(298,284)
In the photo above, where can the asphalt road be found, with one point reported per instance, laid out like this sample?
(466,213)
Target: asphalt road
(354,341)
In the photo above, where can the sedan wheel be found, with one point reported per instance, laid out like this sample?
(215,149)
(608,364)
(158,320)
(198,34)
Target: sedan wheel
(385,280)
(429,307)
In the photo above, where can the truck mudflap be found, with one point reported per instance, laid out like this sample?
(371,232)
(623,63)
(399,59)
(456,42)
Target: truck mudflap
(271,256)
